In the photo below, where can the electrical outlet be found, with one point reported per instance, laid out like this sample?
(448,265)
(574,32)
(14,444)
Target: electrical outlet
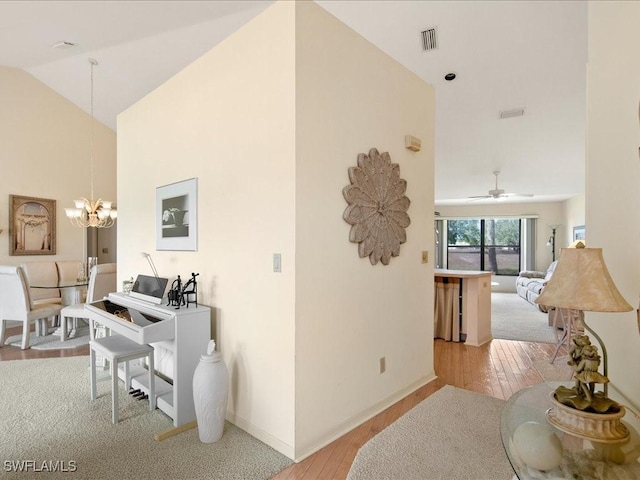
(383,364)
(425,257)
(277,262)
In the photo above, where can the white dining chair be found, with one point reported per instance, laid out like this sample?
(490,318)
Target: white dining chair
(16,305)
(43,274)
(102,281)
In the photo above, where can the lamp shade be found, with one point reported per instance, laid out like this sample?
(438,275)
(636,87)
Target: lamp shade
(581,281)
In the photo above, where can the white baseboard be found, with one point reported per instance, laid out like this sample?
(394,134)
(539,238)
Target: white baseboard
(351,423)
(334,433)
(275,443)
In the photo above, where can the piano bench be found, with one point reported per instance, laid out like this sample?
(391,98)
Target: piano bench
(116,349)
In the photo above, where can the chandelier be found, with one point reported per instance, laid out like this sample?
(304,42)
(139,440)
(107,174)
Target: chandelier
(87,212)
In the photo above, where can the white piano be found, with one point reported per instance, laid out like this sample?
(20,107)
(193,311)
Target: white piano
(179,337)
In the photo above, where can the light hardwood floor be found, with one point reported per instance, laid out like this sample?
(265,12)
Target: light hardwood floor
(14,353)
(498,368)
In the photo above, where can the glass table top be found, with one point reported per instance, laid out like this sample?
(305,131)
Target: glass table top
(581,459)
(83,283)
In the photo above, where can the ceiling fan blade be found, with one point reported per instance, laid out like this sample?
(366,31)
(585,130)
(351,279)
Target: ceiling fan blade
(497,193)
(517,194)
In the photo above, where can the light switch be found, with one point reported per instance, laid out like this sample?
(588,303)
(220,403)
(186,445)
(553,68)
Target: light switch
(277,262)
(425,257)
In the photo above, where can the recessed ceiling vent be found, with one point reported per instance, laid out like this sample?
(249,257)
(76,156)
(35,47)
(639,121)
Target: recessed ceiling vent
(516,112)
(429,39)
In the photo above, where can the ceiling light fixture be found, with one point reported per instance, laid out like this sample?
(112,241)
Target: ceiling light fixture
(90,213)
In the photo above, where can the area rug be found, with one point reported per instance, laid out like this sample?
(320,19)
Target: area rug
(46,416)
(453,434)
(51,341)
(513,318)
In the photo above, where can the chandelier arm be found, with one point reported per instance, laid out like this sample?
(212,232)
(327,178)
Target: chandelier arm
(93,63)
(99,213)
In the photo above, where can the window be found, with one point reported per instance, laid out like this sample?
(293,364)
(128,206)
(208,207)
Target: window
(485,244)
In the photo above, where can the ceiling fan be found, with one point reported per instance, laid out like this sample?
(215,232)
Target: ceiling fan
(499,193)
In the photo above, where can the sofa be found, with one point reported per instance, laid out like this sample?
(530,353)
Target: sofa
(529,285)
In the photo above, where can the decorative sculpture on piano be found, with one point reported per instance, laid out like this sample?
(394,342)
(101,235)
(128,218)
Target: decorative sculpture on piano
(180,295)
(190,290)
(175,294)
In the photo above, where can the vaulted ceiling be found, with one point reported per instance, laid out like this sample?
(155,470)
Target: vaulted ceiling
(506,55)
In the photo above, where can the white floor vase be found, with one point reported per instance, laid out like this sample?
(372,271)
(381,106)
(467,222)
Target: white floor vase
(210,393)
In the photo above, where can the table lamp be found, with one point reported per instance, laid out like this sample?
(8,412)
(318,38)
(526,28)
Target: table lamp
(582,282)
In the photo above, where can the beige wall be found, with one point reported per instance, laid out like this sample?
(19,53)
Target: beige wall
(45,153)
(269,122)
(228,120)
(573,212)
(351,97)
(613,176)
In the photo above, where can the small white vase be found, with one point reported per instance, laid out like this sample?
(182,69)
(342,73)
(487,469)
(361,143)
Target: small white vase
(210,393)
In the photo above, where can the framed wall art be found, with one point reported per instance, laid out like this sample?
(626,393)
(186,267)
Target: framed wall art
(177,216)
(32,226)
(578,233)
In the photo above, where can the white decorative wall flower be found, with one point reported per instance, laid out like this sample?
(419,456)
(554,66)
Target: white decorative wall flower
(377,210)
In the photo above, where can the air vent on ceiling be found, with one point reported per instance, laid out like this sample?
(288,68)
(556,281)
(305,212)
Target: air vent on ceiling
(429,39)
(516,112)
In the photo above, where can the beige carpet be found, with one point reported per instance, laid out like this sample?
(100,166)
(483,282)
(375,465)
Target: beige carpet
(46,415)
(513,318)
(454,434)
